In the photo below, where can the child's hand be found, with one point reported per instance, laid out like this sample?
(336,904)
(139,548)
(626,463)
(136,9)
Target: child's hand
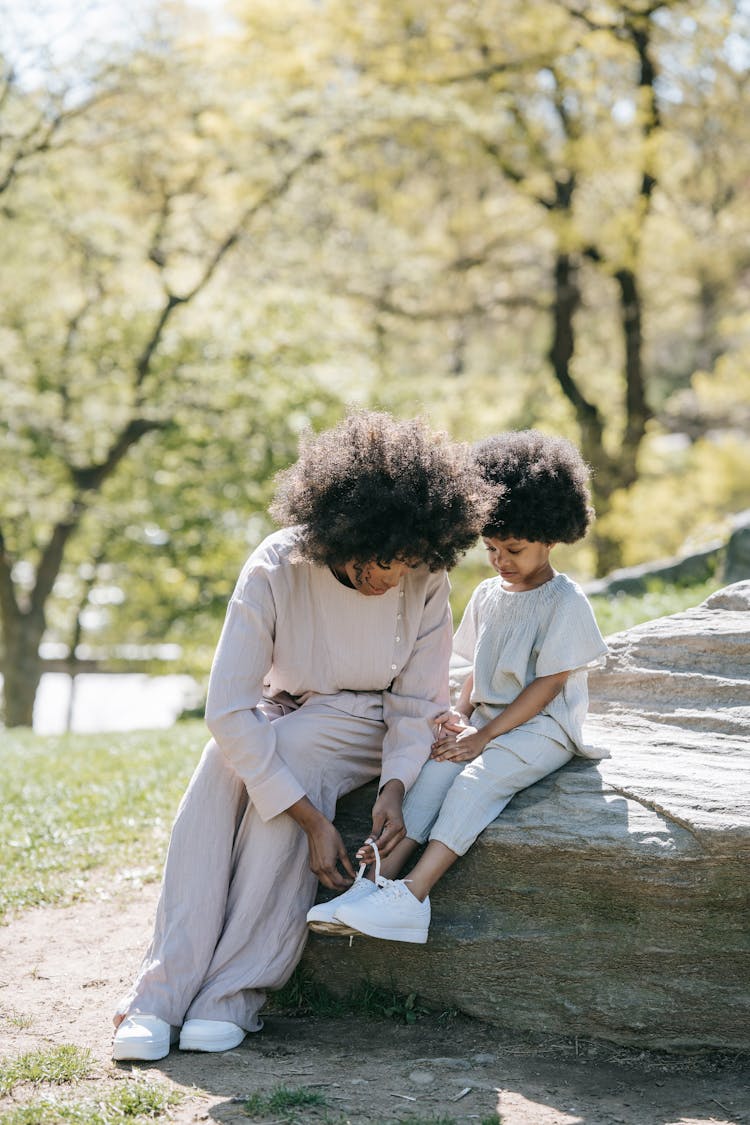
(462,747)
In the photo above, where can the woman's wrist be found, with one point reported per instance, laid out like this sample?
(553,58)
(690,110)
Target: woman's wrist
(305,814)
(394,788)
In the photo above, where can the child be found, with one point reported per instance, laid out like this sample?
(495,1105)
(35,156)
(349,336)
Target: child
(529,633)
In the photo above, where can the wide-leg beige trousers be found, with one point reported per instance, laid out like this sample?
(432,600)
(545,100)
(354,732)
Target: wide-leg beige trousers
(230,922)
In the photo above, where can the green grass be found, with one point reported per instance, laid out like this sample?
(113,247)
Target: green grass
(134,1101)
(57,1065)
(15,1018)
(83,810)
(282,1101)
(615,612)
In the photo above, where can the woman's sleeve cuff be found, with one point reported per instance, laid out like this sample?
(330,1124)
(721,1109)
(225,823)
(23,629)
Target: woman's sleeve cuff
(276,794)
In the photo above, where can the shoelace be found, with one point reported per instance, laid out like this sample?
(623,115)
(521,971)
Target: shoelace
(394,888)
(363,866)
(379,880)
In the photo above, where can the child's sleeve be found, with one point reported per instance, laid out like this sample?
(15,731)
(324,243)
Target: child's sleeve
(465,637)
(572,640)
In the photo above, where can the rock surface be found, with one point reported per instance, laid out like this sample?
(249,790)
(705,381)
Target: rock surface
(611,899)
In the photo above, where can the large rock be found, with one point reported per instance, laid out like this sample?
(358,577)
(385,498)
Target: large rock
(611,899)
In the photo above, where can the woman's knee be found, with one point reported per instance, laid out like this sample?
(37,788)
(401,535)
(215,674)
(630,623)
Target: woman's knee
(214,782)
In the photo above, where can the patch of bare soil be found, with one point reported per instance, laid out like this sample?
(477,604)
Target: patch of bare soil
(61,971)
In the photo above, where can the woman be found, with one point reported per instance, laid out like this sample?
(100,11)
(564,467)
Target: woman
(331,666)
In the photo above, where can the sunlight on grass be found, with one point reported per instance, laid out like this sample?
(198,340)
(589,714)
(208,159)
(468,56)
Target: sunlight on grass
(58,1065)
(133,1101)
(12,1016)
(80,809)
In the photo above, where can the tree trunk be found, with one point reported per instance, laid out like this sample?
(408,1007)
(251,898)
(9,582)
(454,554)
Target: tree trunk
(566,300)
(636,409)
(22,669)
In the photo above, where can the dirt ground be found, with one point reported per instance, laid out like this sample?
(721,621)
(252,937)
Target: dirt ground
(61,970)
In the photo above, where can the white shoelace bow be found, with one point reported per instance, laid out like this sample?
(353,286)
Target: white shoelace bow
(394,888)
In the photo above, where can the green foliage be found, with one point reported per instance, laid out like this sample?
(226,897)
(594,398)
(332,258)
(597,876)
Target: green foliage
(615,612)
(282,1100)
(222,235)
(135,1101)
(75,806)
(682,499)
(56,1065)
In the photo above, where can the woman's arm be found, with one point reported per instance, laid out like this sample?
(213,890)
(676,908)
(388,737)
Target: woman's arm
(324,843)
(470,742)
(243,657)
(419,691)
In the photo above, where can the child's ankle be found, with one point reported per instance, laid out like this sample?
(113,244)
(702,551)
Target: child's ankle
(417,890)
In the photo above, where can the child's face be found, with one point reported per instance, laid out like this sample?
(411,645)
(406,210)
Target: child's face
(522,564)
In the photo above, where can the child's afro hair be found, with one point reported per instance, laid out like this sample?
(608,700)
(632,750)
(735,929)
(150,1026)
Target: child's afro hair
(374,488)
(541,483)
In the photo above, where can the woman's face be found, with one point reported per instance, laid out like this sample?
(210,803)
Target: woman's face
(373,579)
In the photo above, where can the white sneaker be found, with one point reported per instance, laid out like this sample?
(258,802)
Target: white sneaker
(143,1038)
(321,918)
(393,913)
(210,1035)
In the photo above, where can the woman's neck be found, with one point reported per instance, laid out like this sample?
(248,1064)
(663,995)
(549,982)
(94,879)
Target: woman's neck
(341,576)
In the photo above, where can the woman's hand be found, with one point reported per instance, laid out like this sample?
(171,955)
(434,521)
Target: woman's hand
(462,747)
(452,720)
(387,821)
(325,845)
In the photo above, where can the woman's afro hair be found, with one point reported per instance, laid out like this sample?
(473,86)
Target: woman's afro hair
(541,485)
(376,488)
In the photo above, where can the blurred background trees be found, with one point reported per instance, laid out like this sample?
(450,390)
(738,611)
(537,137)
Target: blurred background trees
(238,219)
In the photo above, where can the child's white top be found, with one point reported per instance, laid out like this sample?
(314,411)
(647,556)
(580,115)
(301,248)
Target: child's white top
(513,638)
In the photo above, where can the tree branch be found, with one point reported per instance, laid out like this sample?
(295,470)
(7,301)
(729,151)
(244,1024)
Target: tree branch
(385,304)
(51,559)
(174,300)
(91,477)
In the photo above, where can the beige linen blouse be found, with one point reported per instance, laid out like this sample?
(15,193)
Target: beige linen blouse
(292,629)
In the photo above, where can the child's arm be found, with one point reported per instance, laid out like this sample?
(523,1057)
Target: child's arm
(468,743)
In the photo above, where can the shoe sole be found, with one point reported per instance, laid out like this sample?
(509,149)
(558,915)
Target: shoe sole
(215,1045)
(331,928)
(414,937)
(147,1053)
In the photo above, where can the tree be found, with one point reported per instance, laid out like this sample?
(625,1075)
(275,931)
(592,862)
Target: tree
(120,234)
(470,125)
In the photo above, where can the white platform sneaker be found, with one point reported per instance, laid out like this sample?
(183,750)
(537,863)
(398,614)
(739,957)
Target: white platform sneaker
(210,1035)
(393,913)
(143,1038)
(320,918)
